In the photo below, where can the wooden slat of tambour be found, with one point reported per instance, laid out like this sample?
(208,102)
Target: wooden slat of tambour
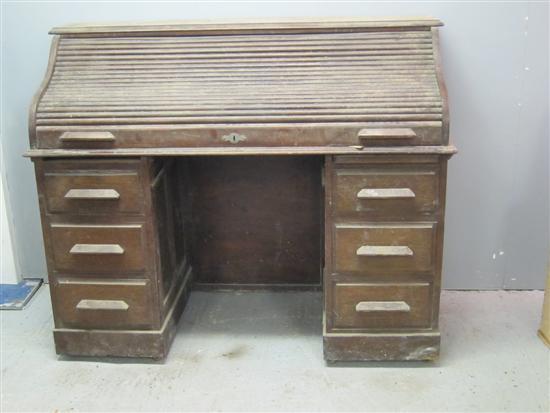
(223,105)
(389,37)
(411,59)
(393,36)
(381,37)
(195,80)
(200,94)
(298,66)
(239,111)
(195,42)
(69,44)
(213,51)
(245,98)
(192,74)
(240,105)
(263,84)
(389,45)
(367,56)
(259,92)
(389,101)
(365,93)
(129,88)
(251,46)
(271,126)
(307,97)
(294,76)
(237,119)
(264,79)
(330,73)
(160,89)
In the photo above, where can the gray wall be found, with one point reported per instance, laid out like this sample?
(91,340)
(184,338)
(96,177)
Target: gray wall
(495,59)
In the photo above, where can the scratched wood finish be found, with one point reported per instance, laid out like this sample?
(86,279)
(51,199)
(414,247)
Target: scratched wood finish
(417,298)
(412,228)
(352,198)
(121,177)
(349,238)
(135,294)
(99,253)
(257,220)
(138,87)
(128,238)
(151,146)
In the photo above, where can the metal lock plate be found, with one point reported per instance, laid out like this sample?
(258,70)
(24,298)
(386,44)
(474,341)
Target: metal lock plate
(233,138)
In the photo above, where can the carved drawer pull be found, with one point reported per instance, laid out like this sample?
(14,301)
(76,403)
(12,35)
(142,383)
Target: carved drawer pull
(384,251)
(97,249)
(87,137)
(92,194)
(102,305)
(371,306)
(385,193)
(397,133)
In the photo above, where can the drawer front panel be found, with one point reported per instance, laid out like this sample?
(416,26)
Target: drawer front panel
(383,193)
(382,306)
(93,192)
(98,248)
(103,305)
(384,249)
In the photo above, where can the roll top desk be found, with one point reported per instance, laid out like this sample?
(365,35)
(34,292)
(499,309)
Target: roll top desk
(296,154)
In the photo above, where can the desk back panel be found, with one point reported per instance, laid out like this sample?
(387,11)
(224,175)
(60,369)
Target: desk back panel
(257,220)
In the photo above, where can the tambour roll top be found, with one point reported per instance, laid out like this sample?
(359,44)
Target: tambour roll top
(292,84)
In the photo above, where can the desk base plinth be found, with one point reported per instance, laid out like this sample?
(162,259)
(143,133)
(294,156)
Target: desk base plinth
(381,347)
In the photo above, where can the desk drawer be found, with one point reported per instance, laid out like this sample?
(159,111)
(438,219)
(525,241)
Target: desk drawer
(389,193)
(103,305)
(98,248)
(93,187)
(382,306)
(384,248)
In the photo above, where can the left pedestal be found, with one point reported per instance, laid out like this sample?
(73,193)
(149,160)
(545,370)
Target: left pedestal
(117,253)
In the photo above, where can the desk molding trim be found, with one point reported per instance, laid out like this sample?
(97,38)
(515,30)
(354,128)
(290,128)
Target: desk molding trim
(225,151)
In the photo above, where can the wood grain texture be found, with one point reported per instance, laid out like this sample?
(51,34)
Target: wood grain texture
(349,280)
(419,239)
(206,75)
(382,346)
(72,187)
(70,241)
(295,150)
(134,294)
(389,192)
(348,295)
(152,148)
(257,220)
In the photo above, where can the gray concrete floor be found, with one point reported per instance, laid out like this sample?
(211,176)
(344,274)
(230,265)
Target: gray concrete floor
(260,351)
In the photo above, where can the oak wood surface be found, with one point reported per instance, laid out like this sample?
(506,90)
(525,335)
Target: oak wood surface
(170,154)
(257,220)
(366,192)
(70,187)
(419,238)
(204,76)
(416,296)
(135,295)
